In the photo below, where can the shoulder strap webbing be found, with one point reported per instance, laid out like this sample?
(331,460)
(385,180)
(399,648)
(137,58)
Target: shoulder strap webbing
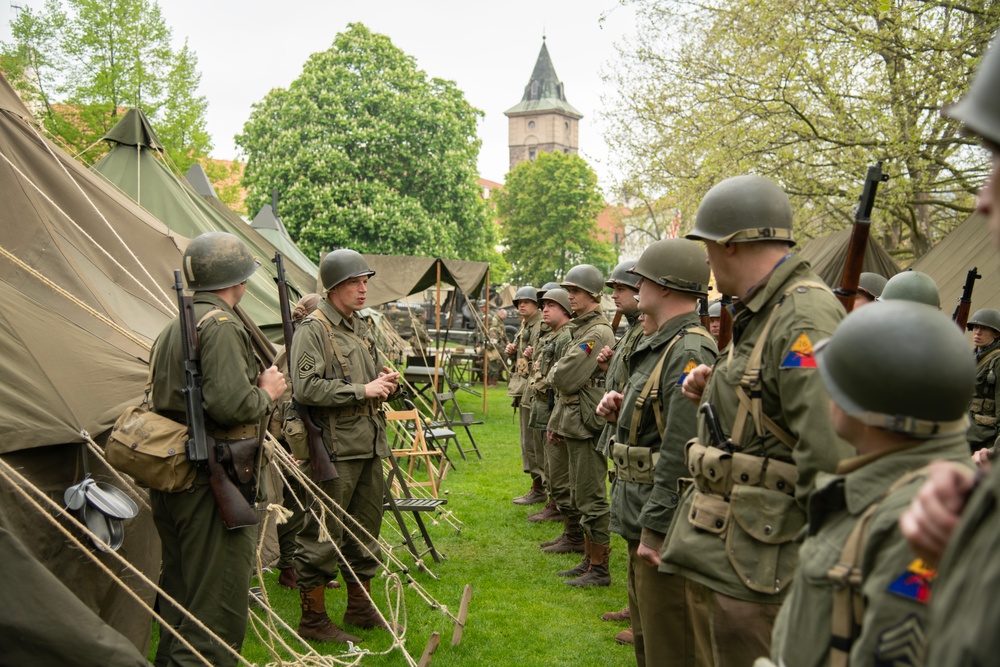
(987,358)
(333,350)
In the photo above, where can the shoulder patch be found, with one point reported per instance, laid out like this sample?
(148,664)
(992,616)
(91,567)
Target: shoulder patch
(691,365)
(306,365)
(588,347)
(801,354)
(902,643)
(914,583)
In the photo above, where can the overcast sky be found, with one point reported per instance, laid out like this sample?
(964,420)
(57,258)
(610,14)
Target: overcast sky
(247,47)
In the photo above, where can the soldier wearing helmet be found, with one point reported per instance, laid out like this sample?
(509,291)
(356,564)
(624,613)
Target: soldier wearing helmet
(343,377)
(714,319)
(577,379)
(652,421)
(551,345)
(984,410)
(768,398)
(207,567)
(860,595)
(912,286)
(870,286)
(532,452)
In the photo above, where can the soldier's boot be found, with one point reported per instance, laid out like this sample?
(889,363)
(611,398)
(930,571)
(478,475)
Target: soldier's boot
(360,611)
(559,538)
(624,615)
(315,624)
(625,636)
(571,541)
(288,578)
(534,496)
(584,564)
(598,573)
(547,513)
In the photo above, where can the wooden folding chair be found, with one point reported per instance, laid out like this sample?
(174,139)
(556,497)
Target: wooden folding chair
(437,434)
(448,412)
(417,449)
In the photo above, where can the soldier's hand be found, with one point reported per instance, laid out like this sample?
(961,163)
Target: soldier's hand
(934,512)
(609,406)
(604,358)
(510,349)
(529,351)
(391,375)
(382,386)
(695,383)
(982,460)
(552,437)
(648,555)
(273,382)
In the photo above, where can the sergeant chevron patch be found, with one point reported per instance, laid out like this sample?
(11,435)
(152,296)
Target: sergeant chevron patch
(306,365)
(901,644)
(801,354)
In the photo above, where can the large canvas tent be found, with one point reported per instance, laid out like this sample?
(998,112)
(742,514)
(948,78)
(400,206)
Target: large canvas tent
(85,280)
(948,262)
(398,276)
(271,227)
(828,254)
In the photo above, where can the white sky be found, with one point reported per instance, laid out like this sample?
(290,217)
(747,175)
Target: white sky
(247,47)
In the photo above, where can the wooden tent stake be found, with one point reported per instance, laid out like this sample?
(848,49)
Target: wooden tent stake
(432,645)
(463,613)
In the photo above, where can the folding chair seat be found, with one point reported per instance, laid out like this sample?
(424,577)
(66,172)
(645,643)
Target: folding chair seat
(448,412)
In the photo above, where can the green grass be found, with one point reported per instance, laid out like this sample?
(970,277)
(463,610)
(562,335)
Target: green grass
(521,612)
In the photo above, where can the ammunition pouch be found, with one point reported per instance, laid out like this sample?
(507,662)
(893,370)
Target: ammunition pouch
(239,458)
(151,449)
(587,400)
(634,464)
(293,433)
(516,384)
(985,406)
(984,420)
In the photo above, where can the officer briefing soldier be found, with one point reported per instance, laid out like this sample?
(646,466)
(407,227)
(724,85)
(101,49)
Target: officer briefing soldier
(768,398)
(860,596)
(577,378)
(532,453)
(870,286)
(984,410)
(342,376)
(652,422)
(207,567)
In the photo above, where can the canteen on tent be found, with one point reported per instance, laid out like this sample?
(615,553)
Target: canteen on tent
(828,254)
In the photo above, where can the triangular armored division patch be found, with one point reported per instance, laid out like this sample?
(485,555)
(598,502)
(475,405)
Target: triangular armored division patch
(801,354)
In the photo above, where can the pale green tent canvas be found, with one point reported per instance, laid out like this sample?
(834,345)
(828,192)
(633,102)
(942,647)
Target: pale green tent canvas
(970,245)
(828,254)
(271,227)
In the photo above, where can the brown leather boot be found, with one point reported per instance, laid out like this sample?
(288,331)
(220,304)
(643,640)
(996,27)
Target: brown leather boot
(315,624)
(598,573)
(288,578)
(584,564)
(360,611)
(571,541)
(624,615)
(548,513)
(534,496)
(625,636)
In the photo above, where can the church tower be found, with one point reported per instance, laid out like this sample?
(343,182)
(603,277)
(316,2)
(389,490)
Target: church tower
(543,121)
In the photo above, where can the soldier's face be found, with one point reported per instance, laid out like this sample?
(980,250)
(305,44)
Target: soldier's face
(527,308)
(553,314)
(983,336)
(349,296)
(624,298)
(988,202)
(717,261)
(580,301)
(713,327)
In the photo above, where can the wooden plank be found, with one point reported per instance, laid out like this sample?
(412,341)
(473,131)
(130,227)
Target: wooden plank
(463,614)
(432,645)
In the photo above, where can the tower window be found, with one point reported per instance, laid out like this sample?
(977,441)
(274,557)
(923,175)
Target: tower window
(531,154)
(566,125)
(534,90)
(531,124)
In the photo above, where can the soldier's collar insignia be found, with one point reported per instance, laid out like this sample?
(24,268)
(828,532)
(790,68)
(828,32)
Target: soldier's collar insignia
(588,347)
(687,369)
(801,354)
(306,365)
(915,583)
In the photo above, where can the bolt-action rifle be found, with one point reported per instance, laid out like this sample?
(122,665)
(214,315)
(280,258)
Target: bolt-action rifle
(320,465)
(706,321)
(859,237)
(715,434)
(725,322)
(224,458)
(961,314)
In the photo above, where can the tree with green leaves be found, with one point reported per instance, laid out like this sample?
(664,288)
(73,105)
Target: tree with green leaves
(548,212)
(81,62)
(370,153)
(808,94)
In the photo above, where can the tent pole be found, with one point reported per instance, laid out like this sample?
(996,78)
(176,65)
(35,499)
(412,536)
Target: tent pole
(437,322)
(486,347)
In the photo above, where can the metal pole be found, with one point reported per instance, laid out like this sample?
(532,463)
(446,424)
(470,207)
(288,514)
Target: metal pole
(437,318)
(486,347)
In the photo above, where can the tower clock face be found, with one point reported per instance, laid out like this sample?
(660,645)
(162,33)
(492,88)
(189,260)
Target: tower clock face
(531,124)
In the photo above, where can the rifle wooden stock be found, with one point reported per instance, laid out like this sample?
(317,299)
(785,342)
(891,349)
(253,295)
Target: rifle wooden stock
(961,314)
(320,466)
(615,322)
(725,322)
(706,320)
(859,238)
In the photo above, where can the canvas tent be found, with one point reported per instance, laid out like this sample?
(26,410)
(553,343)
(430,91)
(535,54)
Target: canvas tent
(85,280)
(274,231)
(828,254)
(397,276)
(968,245)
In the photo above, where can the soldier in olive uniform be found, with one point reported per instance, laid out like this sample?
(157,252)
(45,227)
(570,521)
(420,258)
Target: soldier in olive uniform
(532,452)
(912,286)
(577,379)
(342,376)
(206,567)
(860,596)
(734,534)
(984,410)
(956,509)
(870,286)
(714,319)
(494,342)
(653,421)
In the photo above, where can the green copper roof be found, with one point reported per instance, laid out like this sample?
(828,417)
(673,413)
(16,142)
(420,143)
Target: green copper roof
(544,92)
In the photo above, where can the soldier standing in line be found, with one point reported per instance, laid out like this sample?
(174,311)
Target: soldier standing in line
(734,535)
(984,410)
(714,319)
(870,286)
(342,376)
(614,362)
(532,461)
(494,342)
(912,286)
(653,421)
(577,379)
(860,596)
(206,567)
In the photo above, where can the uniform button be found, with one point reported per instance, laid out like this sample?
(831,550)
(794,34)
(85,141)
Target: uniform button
(711,472)
(718,523)
(694,513)
(744,477)
(767,530)
(781,485)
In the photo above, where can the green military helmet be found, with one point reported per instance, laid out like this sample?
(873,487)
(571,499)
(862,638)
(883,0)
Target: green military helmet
(871,284)
(216,260)
(526,293)
(546,287)
(919,384)
(341,265)
(715,309)
(586,277)
(744,208)
(677,264)
(979,110)
(622,276)
(560,296)
(912,286)
(985,317)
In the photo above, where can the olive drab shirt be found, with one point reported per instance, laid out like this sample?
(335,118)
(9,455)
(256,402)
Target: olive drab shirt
(550,346)
(984,411)
(353,427)
(577,378)
(735,533)
(617,375)
(527,336)
(895,584)
(649,505)
(229,368)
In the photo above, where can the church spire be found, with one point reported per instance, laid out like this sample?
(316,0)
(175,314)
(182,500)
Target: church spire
(544,92)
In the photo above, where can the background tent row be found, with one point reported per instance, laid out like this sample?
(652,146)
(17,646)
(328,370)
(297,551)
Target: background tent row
(948,262)
(828,254)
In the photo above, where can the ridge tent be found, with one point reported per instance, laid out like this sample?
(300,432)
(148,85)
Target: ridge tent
(948,262)
(828,254)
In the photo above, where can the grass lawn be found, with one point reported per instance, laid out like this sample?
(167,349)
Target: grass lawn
(521,612)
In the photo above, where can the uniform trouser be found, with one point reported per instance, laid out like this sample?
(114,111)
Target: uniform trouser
(557,473)
(660,629)
(728,632)
(288,531)
(588,485)
(532,453)
(207,569)
(359,492)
